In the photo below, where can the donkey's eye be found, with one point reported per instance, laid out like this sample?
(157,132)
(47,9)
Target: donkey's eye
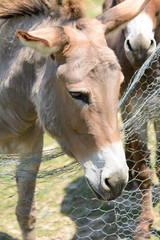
(80,96)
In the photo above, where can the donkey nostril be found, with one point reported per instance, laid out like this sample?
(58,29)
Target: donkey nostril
(107,183)
(152,42)
(129,46)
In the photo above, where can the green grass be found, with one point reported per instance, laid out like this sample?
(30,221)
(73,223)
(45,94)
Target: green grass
(48,141)
(94,8)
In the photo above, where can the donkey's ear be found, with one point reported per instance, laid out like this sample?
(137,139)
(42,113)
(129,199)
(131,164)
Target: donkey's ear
(46,41)
(122,13)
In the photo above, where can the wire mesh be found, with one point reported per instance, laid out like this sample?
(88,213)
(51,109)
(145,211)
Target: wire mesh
(66,207)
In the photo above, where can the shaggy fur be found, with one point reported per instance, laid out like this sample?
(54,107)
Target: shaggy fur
(12,8)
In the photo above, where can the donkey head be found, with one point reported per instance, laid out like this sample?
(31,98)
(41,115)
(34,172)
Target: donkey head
(140,34)
(80,110)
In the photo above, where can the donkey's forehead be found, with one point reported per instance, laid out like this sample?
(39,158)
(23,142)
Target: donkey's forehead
(146,21)
(91,27)
(86,32)
(87,56)
(93,65)
(139,23)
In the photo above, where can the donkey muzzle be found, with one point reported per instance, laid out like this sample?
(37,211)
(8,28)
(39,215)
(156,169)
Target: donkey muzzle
(106,172)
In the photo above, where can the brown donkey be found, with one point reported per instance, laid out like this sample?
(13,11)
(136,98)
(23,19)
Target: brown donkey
(67,83)
(133,45)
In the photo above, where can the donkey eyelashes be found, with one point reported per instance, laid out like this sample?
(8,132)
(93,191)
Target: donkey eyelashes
(84,97)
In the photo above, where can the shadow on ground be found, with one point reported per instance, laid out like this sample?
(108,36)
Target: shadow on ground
(96,220)
(4,236)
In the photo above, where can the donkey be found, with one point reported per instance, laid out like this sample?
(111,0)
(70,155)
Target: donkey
(133,45)
(63,80)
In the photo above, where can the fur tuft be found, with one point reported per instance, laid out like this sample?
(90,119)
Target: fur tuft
(71,9)
(74,8)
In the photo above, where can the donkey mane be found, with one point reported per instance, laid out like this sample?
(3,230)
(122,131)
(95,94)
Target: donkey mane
(71,9)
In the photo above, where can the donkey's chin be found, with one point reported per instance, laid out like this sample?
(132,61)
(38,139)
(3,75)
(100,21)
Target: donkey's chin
(135,61)
(108,196)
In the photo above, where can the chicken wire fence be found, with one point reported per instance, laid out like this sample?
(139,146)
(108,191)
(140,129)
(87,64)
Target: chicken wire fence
(66,207)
